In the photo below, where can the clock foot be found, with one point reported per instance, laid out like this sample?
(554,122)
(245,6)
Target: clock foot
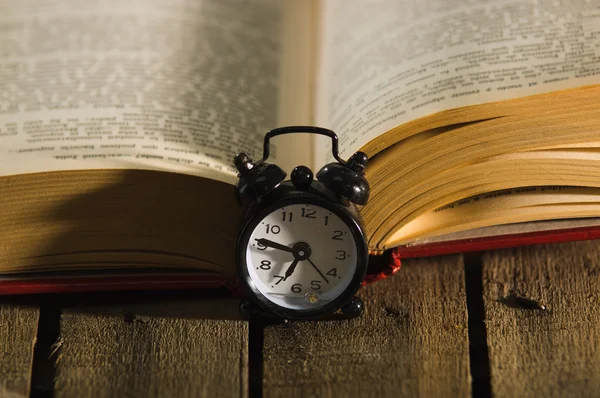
(353,308)
(248,310)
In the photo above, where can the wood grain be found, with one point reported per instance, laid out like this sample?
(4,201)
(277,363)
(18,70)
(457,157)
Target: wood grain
(174,349)
(542,309)
(18,330)
(411,341)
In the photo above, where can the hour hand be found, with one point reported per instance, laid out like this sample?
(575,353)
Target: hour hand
(291,269)
(274,245)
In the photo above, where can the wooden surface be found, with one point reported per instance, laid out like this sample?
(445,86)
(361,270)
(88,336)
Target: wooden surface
(543,320)
(18,328)
(411,341)
(178,349)
(521,322)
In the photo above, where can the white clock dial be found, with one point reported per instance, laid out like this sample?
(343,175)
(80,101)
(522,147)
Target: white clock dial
(301,256)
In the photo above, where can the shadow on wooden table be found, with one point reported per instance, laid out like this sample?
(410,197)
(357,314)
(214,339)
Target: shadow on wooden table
(213,304)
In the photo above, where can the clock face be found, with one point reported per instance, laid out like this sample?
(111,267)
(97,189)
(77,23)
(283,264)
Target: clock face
(302,257)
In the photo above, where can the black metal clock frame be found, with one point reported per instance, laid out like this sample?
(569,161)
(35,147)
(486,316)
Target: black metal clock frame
(261,189)
(287,195)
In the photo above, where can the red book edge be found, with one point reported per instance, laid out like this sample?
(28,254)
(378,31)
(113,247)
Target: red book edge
(499,242)
(186,282)
(111,283)
(480,244)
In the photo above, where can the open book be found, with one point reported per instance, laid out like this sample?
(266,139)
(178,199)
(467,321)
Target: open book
(119,121)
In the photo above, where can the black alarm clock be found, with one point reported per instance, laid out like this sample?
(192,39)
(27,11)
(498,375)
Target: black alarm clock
(301,251)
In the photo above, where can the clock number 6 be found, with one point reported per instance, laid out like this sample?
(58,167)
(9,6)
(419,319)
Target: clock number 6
(296,288)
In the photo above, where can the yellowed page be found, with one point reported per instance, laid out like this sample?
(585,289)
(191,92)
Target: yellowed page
(177,85)
(501,207)
(510,229)
(496,168)
(386,62)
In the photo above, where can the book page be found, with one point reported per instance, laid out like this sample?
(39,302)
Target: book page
(501,207)
(169,85)
(510,229)
(384,62)
(296,81)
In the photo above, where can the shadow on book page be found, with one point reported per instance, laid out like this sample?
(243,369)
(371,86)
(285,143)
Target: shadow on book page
(99,222)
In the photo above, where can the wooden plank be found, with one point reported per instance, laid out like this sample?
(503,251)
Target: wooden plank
(542,309)
(177,349)
(411,341)
(18,330)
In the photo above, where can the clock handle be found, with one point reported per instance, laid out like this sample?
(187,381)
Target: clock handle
(302,129)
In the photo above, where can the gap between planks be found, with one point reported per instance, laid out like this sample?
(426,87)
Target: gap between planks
(160,344)
(411,341)
(542,308)
(185,349)
(415,324)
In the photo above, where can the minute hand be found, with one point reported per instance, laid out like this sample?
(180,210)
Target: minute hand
(274,245)
(315,267)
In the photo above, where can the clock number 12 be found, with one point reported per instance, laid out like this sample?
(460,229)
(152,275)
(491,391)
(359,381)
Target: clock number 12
(308,213)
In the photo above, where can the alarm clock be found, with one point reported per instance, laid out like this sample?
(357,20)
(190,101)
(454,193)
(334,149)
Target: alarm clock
(301,251)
